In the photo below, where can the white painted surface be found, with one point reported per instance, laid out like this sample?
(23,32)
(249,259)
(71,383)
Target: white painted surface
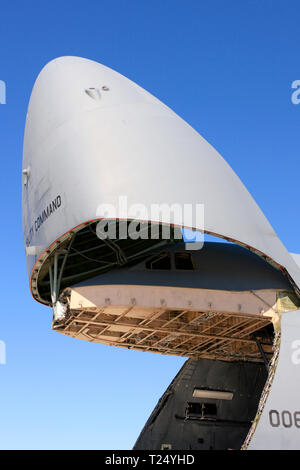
(126,143)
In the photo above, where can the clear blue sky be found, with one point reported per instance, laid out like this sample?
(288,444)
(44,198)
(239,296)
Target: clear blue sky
(226,67)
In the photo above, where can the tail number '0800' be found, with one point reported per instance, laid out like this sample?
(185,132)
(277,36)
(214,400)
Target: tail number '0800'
(285,418)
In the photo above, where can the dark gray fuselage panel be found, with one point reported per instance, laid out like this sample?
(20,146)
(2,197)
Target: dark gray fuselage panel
(180,421)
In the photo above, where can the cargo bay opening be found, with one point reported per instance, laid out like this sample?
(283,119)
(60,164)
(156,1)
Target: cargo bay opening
(219,306)
(219,302)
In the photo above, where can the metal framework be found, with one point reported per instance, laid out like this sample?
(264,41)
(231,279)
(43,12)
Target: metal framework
(214,335)
(81,254)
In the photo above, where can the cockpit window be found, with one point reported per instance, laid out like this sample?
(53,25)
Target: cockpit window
(161,261)
(184,261)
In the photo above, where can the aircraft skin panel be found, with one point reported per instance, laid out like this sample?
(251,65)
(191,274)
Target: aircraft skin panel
(179,420)
(220,266)
(296,258)
(256,303)
(278,427)
(92,135)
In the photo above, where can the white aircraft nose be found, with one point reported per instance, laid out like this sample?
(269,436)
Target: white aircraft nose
(92,135)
